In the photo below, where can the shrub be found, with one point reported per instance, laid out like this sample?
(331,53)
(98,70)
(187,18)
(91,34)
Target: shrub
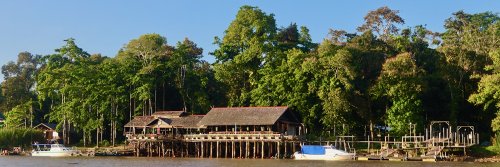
(19,137)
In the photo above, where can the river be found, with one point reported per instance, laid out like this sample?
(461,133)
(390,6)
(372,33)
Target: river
(7,161)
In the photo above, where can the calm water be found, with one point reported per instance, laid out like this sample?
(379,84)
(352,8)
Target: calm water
(186,162)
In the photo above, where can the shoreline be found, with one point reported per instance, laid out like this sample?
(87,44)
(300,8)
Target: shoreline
(489,159)
(121,151)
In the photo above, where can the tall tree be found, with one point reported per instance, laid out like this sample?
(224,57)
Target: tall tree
(58,81)
(336,78)
(18,85)
(400,82)
(465,45)
(488,90)
(246,43)
(144,56)
(382,21)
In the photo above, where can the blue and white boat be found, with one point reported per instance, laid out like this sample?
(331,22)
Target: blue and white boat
(317,152)
(52,150)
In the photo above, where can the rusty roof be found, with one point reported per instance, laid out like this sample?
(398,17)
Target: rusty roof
(161,123)
(140,121)
(190,121)
(168,114)
(49,126)
(243,116)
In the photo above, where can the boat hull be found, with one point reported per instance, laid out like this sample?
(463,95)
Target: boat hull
(299,156)
(52,154)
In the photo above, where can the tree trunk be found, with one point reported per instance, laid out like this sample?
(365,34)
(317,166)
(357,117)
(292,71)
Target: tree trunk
(102,128)
(150,107)
(130,106)
(111,122)
(97,137)
(84,141)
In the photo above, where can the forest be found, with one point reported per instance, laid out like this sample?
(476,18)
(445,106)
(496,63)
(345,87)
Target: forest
(386,74)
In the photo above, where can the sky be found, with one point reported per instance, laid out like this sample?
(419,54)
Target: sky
(104,27)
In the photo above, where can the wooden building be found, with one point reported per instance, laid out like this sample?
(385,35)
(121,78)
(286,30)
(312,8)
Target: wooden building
(162,125)
(252,120)
(244,132)
(49,130)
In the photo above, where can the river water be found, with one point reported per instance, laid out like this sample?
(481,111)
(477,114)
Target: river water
(7,161)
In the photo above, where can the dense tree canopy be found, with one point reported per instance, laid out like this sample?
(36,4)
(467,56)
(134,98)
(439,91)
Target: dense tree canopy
(383,75)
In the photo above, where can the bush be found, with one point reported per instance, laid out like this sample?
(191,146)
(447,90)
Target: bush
(19,137)
(105,143)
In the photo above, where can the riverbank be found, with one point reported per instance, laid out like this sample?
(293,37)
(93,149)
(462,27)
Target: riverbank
(477,154)
(18,161)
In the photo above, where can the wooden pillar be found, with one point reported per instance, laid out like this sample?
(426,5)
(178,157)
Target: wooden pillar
(246,150)
(254,147)
(211,151)
(225,150)
(285,150)
(262,150)
(239,145)
(232,149)
(136,149)
(278,148)
(196,149)
(270,149)
(173,149)
(182,149)
(217,149)
(148,148)
(187,149)
(202,150)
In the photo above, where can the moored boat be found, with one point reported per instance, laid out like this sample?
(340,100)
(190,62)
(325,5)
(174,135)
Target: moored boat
(52,150)
(317,152)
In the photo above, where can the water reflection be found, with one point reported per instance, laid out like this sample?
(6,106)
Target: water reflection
(188,162)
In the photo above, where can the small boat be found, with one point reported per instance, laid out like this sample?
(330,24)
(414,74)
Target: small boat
(52,150)
(317,152)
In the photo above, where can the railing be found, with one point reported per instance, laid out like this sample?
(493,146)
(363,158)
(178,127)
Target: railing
(153,137)
(234,137)
(244,132)
(217,136)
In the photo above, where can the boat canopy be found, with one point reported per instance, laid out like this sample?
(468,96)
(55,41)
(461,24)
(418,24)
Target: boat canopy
(313,149)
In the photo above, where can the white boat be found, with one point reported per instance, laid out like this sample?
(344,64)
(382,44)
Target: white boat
(52,150)
(317,152)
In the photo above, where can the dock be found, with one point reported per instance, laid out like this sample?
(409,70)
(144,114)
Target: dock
(274,132)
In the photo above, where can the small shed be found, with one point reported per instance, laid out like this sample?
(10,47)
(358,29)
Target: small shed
(49,130)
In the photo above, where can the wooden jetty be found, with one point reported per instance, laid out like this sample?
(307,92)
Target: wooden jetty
(438,141)
(274,132)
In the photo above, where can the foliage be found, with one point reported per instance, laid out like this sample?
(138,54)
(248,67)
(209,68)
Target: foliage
(488,90)
(19,137)
(382,22)
(382,75)
(246,43)
(400,82)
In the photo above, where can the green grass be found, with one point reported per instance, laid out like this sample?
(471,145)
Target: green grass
(484,151)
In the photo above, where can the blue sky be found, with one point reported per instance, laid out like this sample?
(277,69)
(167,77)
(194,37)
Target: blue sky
(104,27)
